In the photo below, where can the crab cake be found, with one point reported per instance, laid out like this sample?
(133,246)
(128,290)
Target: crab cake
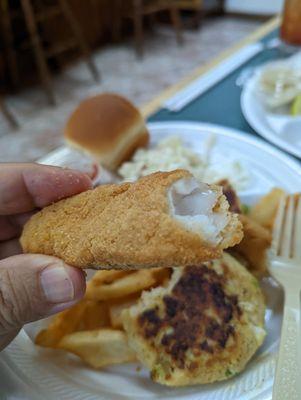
(162,220)
(203,327)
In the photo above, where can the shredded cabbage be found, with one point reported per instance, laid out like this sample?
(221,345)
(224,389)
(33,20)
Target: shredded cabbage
(171,153)
(280,81)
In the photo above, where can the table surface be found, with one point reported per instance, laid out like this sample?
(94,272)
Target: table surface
(209,107)
(263,33)
(221,103)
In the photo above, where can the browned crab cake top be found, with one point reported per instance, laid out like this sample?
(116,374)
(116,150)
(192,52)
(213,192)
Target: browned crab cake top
(203,327)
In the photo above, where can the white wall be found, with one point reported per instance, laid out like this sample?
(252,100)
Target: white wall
(262,7)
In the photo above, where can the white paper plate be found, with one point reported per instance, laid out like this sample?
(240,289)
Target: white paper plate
(277,127)
(53,375)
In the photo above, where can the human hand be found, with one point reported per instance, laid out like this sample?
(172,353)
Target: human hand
(33,286)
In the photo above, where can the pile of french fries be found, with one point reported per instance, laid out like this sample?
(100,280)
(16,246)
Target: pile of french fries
(92,329)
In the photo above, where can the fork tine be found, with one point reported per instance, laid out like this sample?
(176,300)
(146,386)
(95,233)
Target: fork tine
(286,244)
(277,229)
(297,235)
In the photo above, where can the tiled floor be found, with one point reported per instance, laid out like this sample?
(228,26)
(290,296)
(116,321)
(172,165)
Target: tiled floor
(163,65)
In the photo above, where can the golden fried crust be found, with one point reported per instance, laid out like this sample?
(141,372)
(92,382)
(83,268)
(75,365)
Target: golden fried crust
(123,226)
(231,195)
(204,327)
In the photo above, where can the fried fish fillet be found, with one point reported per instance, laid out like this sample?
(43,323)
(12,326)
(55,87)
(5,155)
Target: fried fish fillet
(203,327)
(231,196)
(164,219)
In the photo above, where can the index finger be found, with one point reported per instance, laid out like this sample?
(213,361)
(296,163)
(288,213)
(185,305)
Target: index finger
(24,187)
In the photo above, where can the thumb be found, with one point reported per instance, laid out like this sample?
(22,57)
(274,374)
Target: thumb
(33,286)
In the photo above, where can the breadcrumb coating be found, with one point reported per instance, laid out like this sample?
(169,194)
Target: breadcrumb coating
(126,226)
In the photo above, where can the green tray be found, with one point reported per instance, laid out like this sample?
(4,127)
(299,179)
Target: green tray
(221,103)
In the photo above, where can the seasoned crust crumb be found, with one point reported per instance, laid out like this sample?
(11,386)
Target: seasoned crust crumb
(127,226)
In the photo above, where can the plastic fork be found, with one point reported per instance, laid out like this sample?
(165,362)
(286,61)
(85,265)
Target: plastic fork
(285,267)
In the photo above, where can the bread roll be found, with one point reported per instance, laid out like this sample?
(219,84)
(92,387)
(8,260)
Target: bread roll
(107,127)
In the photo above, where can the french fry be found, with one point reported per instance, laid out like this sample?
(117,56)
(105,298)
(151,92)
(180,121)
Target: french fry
(95,316)
(124,286)
(99,348)
(265,210)
(254,245)
(62,324)
(104,276)
(116,309)
(161,274)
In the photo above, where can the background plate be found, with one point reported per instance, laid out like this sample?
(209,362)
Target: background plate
(278,127)
(52,374)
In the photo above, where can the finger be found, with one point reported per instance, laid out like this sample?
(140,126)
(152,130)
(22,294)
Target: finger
(11,225)
(5,339)
(34,286)
(7,229)
(24,187)
(10,248)
(20,220)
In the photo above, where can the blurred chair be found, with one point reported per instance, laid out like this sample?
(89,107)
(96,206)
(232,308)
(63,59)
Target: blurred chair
(7,114)
(137,9)
(9,50)
(34,17)
(192,5)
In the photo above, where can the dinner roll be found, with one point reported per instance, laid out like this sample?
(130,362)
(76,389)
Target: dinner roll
(107,127)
